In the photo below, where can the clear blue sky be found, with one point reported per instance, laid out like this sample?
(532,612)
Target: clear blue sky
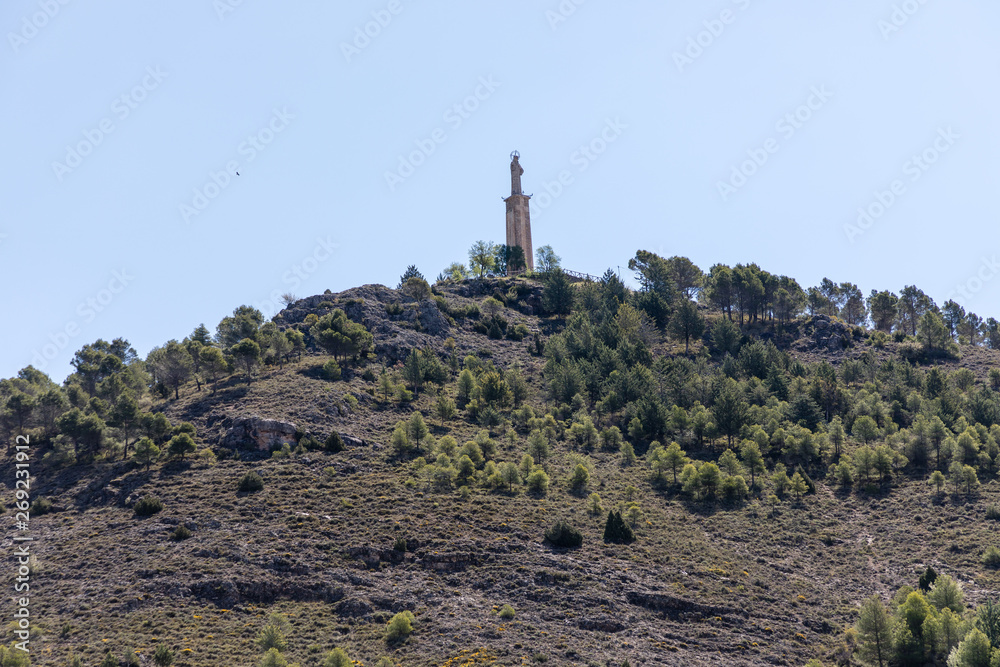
(95,240)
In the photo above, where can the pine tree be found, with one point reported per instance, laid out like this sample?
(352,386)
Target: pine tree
(146,452)
(875,633)
(616,530)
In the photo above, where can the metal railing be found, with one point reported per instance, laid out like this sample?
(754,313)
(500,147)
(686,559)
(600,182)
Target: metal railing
(581,276)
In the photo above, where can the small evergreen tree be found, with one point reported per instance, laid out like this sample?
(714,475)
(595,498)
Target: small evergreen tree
(411,272)
(181,445)
(146,452)
(445,408)
(163,656)
(247,354)
(510,475)
(273,658)
(938,479)
(538,481)
(617,530)
(271,636)
(927,579)
(400,627)
(594,504)
(875,633)
(337,658)
(973,651)
(580,478)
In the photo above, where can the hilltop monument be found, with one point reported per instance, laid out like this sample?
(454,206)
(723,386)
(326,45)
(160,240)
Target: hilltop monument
(518,216)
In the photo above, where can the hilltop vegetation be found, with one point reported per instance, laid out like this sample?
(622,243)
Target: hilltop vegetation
(718,467)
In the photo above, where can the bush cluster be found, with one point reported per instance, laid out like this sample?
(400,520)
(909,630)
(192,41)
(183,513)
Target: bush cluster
(250,483)
(564,535)
(148,506)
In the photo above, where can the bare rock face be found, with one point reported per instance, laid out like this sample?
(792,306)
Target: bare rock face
(255,432)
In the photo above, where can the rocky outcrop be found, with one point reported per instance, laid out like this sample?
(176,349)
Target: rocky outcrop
(230,592)
(448,562)
(353,607)
(372,556)
(255,432)
(453,561)
(602,623)
(824,333)
(675,606)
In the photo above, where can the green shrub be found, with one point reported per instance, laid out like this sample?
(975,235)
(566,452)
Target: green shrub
(251,482)
(129,658)
(991,558)
(148,506)
(109,660)
(270,637)
(580,478)
(399,544)
(284,452)
(180,534)
(394,309)
(331,370)
(564,535)
(627,452)
(993,512)
(208,457)
(337,658)
(518,332)
(399,627)
(181,445)
(594,504)
(538,481)
(41,506)
(506,612)
(334,443)
(273,658)
(163,656)
(385,661)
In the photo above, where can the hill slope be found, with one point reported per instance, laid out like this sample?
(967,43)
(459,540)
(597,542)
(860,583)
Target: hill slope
(341,541)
